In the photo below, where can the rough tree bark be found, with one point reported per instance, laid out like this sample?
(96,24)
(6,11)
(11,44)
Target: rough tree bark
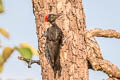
(73,52)
(79,49)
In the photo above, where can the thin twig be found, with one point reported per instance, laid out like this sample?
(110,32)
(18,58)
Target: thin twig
(29,61)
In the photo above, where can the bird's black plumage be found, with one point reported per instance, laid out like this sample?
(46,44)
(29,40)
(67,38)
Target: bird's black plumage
(52,48)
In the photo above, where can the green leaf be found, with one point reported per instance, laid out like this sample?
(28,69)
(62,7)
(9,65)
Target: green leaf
(25,52)
(27,45)
(1,7)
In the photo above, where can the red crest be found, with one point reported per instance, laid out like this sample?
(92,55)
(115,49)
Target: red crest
(46,18)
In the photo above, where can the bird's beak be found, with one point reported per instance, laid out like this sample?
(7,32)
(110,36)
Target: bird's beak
(59,14)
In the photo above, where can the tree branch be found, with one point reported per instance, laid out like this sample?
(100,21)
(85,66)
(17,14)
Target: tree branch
(95,47)
(102,65)
(29,61)
(113,79)
(97,32)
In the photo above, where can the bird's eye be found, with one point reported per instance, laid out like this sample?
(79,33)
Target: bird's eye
(51,15)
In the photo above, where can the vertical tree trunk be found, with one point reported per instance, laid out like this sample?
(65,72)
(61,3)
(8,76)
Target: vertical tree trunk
(73,52)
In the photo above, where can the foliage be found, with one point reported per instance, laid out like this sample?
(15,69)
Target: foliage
(25,49)
(26,45)
(1,7)
(4,32)
(25,52)
(5,55)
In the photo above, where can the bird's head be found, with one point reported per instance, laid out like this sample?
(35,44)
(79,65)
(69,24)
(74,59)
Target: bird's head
(51,17)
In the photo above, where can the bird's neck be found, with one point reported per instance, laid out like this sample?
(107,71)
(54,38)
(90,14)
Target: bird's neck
(53,24)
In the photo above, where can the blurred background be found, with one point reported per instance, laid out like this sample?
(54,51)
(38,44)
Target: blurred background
(19,21)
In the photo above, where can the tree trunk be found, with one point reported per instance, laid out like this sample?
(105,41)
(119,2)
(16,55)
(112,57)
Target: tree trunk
(73,52)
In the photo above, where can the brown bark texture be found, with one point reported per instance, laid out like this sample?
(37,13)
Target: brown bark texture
(80,50)
(72,22)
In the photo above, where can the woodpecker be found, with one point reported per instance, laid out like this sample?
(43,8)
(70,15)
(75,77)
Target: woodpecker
(53,42)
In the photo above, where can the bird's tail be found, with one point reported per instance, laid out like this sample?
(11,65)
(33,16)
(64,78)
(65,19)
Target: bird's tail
(57,68)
